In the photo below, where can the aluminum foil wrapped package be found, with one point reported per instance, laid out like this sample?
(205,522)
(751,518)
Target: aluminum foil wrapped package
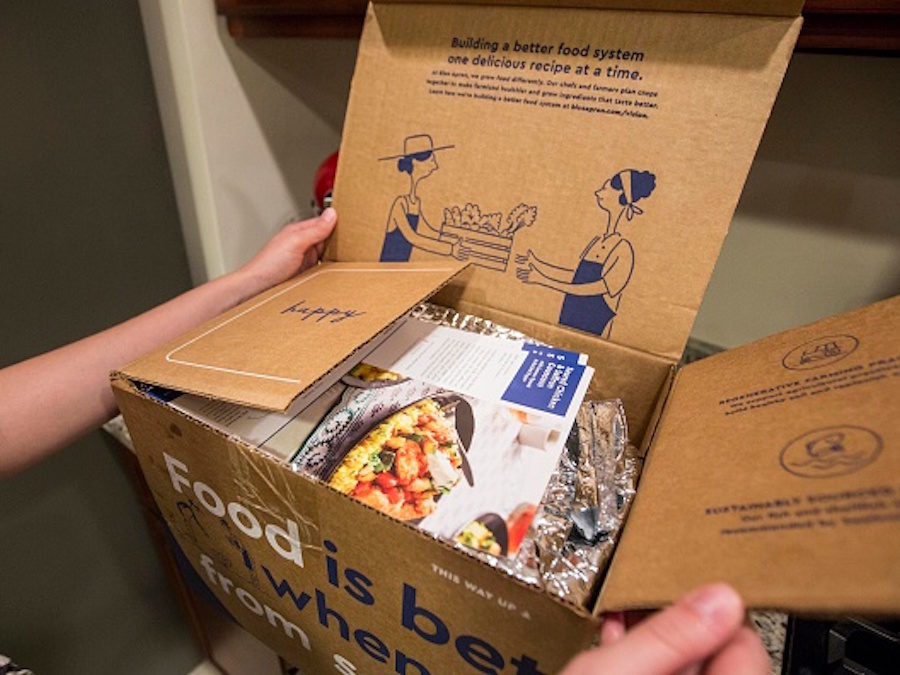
(574,530)
(445,316)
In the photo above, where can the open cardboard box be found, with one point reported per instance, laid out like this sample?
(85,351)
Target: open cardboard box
(769,466)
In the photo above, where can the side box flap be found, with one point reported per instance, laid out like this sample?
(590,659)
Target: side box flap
(776,468)
(587,162)
(273,348)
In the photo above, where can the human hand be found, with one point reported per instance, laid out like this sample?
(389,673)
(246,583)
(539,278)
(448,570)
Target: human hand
(701,633)
(296,247)
(524,274)
(528,259)
(458,251)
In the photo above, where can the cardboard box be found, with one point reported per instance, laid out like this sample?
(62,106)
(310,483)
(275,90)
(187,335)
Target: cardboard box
(769,466)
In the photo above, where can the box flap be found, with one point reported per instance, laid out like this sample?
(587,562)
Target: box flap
(267,351)
(775,468)
(769,7)
(586,161)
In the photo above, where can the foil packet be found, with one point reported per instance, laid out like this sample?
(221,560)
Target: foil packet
(571,535)
(575,530)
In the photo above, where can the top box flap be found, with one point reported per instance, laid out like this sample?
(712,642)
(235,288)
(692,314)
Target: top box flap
(769,7)
(587,162)
(267,351)
(775,468)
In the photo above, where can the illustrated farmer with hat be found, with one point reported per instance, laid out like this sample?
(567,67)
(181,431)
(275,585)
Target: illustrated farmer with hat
(406,225)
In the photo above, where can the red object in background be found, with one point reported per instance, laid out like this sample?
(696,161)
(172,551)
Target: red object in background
(323,182)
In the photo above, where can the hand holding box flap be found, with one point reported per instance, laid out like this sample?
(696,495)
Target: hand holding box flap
(775,469)
(269,350)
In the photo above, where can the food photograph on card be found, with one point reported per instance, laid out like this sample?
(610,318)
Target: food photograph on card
(453,432)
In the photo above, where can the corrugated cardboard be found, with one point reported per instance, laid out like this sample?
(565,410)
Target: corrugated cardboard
(365,590)
(334,585)
(758,7)
(774,467)
(710,80)
(676,101)
(344,306)
(731,479)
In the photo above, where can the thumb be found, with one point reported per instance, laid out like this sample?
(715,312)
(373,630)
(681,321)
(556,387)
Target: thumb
(685,634)
(293,248)
(304,242)
(315,231)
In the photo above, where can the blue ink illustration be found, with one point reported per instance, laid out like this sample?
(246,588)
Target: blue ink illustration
(188,510)
(821,352)
(465,233)
(235,541)
(486,237)
(832,451)
(406,224)
(593,290)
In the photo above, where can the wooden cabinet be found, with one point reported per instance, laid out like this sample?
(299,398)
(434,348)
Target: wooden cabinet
(851,25)
(293,18)
(834,25)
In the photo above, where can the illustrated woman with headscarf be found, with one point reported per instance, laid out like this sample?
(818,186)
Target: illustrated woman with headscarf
(406,224)
(594,288)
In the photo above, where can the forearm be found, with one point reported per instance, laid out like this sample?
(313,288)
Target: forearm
(434,245)
(427,243)
(420,240)
(598,287)
(552,272)
(53,399)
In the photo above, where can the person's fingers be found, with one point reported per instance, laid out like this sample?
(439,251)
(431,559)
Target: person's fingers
(312,232)
(310,258)
(613,628)
(294,248)
(307,239)
(686,633)
(743,655)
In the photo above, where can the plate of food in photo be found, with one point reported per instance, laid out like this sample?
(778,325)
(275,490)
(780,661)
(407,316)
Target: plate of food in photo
(409,459)
(486,534)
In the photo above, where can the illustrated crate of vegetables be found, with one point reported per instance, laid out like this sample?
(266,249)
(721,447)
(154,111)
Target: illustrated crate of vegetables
(487,237)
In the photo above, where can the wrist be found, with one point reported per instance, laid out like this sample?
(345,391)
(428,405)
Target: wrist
(237,286)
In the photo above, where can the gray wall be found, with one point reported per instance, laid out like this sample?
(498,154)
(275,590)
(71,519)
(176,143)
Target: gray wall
(817,229)
(90,236)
